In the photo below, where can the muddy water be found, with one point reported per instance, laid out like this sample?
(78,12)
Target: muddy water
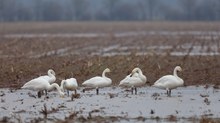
(204,34)
(149,104)
(114,50)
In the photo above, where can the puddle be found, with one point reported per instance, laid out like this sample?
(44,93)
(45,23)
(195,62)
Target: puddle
(181,50)
(115,50)
(150,104)
(198,34)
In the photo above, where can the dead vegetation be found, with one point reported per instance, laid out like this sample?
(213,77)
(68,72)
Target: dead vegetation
(194,72)
(23,58)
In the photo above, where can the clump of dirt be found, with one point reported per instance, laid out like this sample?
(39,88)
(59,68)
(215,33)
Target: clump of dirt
(209,120)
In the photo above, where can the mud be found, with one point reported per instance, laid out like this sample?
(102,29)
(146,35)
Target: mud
(84,49)
(150,104)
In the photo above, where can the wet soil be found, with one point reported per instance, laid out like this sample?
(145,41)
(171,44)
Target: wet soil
(83,50)
(187,104)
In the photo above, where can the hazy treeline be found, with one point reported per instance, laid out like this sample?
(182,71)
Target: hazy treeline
(58,10)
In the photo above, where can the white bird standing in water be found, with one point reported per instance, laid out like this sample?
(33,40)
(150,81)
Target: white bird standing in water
(40,84)
(170,82)
(98,81)
(50,78)
(69,85)
(43,83)
(134,80)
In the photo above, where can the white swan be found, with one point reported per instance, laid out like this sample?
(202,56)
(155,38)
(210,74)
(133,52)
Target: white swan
(39,84)
(134,80)
(50,77)
(98,81)
(69,84)
(170,82)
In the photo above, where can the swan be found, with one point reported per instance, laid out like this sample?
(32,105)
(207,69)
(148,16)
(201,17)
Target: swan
(170,82)
(40,84)
(134,80)
(98,81)
(50,77)
(69,84)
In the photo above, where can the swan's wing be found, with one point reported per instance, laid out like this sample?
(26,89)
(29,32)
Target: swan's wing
(131,81)
(36,84)
(97,82)
(168,81)
(134,75)
(164,79)
(71,82)
(44,77)
(128,77)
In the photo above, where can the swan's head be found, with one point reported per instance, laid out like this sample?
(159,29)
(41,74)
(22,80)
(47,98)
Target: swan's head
(107,70)
(51,71)
(135,70)
(178,68)
(62,95)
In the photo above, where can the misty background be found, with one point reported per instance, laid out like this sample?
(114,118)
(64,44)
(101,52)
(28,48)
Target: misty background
(109,10)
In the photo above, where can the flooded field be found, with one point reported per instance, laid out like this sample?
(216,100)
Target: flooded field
(83,50)
(187,104)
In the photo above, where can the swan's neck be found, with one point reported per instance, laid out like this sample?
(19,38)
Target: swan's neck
(142,77)
(62,84)
(103,74)
(140,72)
(51,76)
(175,73)
(55,85)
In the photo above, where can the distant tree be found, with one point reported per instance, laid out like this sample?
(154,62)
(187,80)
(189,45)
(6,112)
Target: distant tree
(151,6)
(169,13)
(9,11)
(52,11)
(126,11)
(23,12)
(147,8)
(142,6)
(79,9)
(188,7)
(38,10)
(2,2)
(110,6)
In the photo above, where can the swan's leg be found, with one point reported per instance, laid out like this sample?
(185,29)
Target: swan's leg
(39,94)
(135,89)
(46,92)
(170,92)
(97,91)
(167,92)
(68,92)
(132,90)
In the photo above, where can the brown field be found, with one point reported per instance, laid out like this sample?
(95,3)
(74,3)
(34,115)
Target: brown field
(84,49)
(24,57)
